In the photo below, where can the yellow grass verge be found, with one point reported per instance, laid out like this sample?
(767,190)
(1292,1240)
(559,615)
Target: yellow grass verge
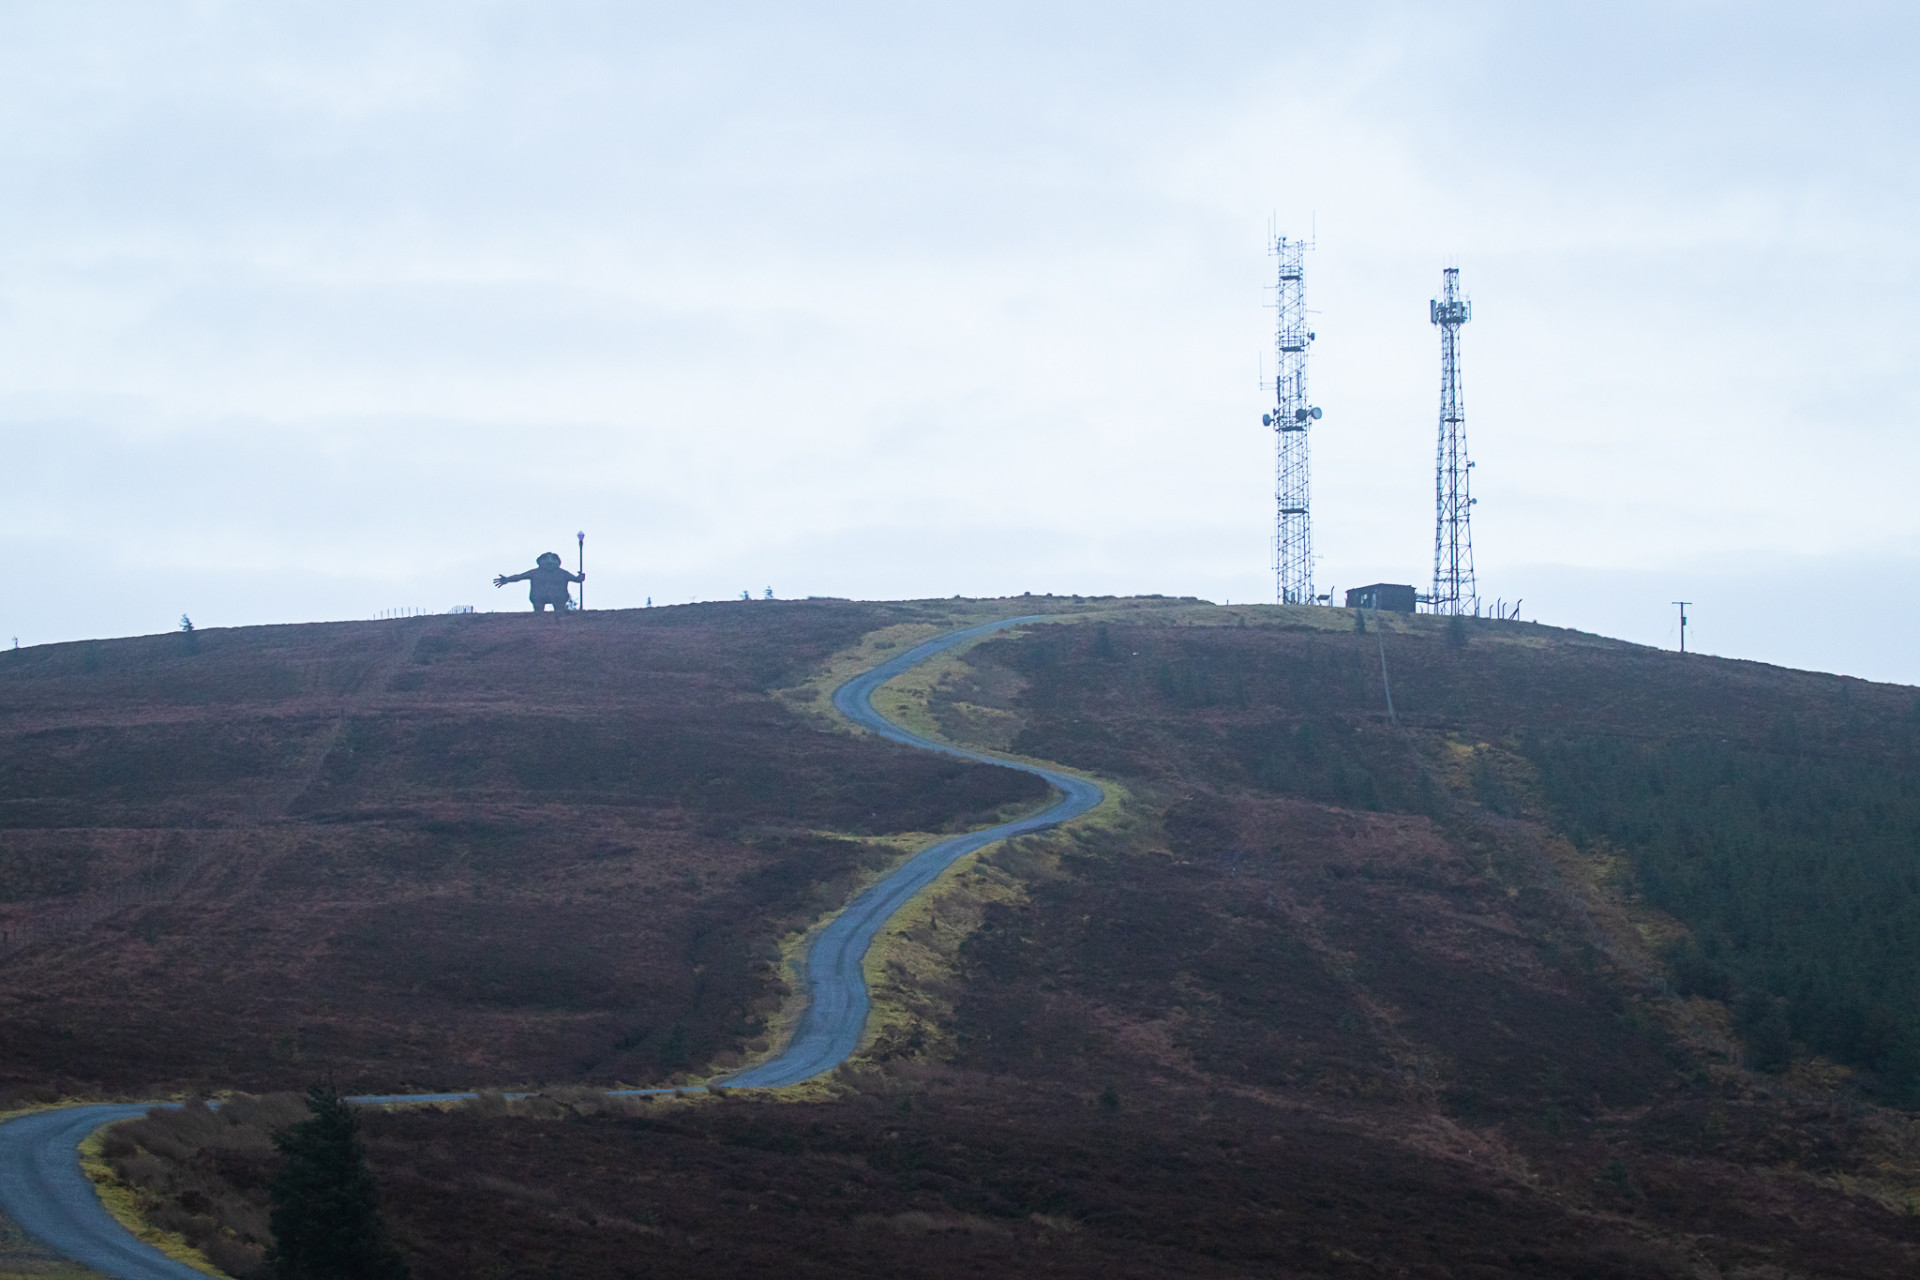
(814,695)
(915,959)
(61,1105)
(1334,619)
(26,1269)
(906,699)
(128,1207)
(916,954)
(912,960)
(793,956)
(794,946)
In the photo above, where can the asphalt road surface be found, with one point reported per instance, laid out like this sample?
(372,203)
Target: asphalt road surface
(836,1013)
(43,1190)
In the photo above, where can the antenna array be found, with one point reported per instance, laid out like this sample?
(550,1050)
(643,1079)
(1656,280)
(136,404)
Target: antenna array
(1454,589)
(1290,418)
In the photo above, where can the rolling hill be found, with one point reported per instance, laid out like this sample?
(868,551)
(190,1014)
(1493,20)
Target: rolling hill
(1583,960)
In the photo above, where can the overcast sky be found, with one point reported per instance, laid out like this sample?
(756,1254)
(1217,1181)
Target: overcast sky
(311,310)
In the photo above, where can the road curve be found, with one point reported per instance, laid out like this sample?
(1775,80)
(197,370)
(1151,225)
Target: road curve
(836,1015)
(43,1190)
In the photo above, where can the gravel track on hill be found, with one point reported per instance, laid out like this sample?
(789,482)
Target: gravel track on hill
(44,1191)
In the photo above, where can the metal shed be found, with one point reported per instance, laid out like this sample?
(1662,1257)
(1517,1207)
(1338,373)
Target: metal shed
(1390,596)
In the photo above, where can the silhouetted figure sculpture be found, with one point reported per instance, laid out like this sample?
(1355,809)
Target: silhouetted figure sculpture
(549,583)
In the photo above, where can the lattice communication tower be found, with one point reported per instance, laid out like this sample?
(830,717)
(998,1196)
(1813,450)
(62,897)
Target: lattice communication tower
(1290,418)
(1454,589)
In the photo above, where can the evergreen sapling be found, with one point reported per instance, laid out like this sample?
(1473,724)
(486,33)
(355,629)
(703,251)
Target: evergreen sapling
(326,1211)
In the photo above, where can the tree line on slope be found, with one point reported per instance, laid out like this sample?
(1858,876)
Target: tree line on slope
(1776,814)
(1797,875)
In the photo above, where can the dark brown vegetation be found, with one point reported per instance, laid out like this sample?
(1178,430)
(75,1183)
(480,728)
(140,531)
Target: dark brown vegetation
(430,853)
(1775,813)
(203,1174)
(1341,999)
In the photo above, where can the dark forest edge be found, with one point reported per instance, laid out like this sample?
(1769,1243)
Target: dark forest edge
(1775,815)
(1797,875)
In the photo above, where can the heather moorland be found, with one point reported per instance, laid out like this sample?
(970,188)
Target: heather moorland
(1583,960)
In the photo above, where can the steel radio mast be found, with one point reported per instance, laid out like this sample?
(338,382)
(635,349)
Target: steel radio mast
(1290,418)
(1454,589)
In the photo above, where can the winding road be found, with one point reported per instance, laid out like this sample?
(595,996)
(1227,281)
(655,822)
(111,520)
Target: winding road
(44,1191)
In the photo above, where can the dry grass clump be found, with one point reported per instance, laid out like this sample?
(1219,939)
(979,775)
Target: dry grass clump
(201,1172)
(560,1103)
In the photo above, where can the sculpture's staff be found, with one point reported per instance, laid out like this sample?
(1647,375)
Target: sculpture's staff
(582,535)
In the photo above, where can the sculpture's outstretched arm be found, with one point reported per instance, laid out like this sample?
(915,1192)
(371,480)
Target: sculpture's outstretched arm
(503,579)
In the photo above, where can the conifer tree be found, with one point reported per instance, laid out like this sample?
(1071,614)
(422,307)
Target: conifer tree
(326,1212)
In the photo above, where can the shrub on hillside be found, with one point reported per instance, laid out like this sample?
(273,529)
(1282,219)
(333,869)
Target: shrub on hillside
(201,1173)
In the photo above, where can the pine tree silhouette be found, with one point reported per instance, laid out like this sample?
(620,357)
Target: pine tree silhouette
(326,1211)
